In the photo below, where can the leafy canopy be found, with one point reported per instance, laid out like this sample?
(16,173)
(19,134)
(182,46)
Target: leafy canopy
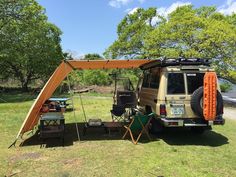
(29,45)
(90,77)
(131,32)
(186,32)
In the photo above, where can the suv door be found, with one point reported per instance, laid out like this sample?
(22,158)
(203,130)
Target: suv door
(194,80)
(176,95)
(149,90)
(180,87)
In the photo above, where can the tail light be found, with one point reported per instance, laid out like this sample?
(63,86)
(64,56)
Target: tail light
(163,110)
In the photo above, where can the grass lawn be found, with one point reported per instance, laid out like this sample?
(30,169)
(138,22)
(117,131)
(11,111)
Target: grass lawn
(171,153)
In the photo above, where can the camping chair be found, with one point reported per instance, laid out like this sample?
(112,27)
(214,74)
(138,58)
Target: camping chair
(138,125)
(117,112)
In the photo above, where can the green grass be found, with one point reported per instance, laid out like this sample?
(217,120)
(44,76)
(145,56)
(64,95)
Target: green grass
(172,153)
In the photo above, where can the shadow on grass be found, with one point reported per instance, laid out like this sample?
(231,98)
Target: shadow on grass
(70,136)
(15,97)
(171,136)
(183,136)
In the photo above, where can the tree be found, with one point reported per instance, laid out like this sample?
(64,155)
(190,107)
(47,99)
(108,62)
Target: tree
(93,56)
(89,77)
(131,32)
(186,32)
(195,33)
(98,76)
(29,45)
(177,37)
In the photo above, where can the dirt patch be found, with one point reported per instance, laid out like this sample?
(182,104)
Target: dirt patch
(17,158)
(103,89)
(230,113)
(95,88)
(25,156)
(71,163)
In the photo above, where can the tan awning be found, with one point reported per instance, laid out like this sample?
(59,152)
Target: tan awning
(59,75)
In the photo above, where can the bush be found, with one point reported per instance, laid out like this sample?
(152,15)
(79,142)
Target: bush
(225,87)
(232,76)
(100,77)
(96,77)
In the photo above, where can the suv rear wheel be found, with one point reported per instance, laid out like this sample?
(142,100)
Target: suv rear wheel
(155,126)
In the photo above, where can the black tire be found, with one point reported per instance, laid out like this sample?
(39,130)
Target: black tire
(148,109)
(196,102)
(220,104)
(155,126)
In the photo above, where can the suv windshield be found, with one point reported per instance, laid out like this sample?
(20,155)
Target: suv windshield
(194,80)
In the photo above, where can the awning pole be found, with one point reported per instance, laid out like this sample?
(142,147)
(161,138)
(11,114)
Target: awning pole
(72,101)
(82,105)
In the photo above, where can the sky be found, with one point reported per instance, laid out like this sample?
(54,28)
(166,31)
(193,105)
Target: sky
(89,26)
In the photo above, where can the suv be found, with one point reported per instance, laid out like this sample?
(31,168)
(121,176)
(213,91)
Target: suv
(173,89)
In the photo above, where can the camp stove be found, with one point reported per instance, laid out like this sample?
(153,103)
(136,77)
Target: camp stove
(94,122)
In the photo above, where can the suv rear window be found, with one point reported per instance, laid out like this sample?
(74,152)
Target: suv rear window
(175,83)
(194,80)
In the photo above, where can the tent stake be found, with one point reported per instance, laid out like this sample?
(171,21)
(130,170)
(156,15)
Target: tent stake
(13,144)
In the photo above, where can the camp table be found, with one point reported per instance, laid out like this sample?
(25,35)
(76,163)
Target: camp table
(62,101)
(112,126)
(107,126)
(93,123)
(52,124)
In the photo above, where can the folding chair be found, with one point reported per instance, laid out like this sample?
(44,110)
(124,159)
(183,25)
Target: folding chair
(117,112)
(138,125)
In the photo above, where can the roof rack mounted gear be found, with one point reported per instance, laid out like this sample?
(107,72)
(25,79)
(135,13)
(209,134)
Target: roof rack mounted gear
(163,62)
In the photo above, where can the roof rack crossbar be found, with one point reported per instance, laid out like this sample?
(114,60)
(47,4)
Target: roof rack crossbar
(162,62)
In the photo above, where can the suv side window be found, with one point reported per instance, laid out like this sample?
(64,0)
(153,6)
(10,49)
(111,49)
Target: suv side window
(155,77)
(175,83)
(146,79)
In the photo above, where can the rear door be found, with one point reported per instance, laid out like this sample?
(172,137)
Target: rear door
(180,87)
(176,95)
(194,80)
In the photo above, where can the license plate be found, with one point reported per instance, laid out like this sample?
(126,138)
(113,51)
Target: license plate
(177,110)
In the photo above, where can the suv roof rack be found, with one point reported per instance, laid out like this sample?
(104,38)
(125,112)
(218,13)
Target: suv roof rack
(163,62)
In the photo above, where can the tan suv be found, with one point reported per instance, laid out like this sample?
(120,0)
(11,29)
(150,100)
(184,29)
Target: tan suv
(173,89)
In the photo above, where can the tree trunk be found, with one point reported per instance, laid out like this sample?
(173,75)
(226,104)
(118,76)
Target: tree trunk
(24,86)
(25,82)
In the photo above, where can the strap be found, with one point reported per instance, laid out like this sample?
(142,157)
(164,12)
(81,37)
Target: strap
(151,114)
